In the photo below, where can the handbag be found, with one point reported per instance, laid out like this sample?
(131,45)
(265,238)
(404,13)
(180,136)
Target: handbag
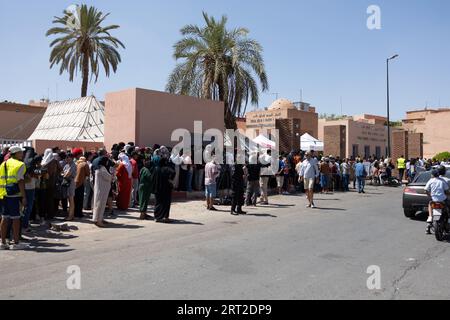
(12,189)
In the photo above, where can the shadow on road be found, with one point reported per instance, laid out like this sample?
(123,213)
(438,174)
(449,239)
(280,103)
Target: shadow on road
(330,209)
(263,215)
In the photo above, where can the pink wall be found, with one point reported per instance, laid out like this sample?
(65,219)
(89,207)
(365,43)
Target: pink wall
(149,117)
(120,117)
(19,121)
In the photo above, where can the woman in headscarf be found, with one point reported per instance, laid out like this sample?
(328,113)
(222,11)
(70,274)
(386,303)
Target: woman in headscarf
(51,169)
(162,188)
(101,191)
(124,180)
(145,189)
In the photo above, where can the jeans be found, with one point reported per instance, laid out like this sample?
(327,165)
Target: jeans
(199,178)
(30,195)
(189,175)
(345,181)
(361,183)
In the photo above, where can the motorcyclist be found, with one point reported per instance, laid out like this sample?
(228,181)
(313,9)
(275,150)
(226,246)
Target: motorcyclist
(438,189)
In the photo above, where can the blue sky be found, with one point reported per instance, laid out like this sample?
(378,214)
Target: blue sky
(321,47)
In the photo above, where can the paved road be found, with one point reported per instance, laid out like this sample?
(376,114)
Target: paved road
(284,251)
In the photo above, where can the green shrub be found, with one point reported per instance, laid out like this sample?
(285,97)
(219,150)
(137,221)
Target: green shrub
(442,156)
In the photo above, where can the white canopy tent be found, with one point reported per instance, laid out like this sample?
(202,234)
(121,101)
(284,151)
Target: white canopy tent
(264,142)
(72,120)
(309,143)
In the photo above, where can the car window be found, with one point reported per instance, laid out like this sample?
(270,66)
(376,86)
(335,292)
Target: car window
(423,177)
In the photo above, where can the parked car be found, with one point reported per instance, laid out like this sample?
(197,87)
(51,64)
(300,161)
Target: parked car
(415,197)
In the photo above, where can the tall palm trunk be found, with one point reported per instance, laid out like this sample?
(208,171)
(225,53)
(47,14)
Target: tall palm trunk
(229,118)
(85,72)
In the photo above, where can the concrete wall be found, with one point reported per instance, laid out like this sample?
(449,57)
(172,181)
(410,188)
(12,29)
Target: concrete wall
(358,133)
(266,119)
(149,117)
(336,137)
(41,145)
(120,117)
(18,121)
(434,126)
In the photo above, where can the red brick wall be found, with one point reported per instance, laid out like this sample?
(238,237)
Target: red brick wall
(335,141)
(289,132)
(415,145)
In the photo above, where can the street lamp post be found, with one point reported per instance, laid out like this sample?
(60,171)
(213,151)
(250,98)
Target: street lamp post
(388,102)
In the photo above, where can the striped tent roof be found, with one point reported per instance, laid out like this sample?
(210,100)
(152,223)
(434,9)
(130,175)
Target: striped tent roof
(72,120)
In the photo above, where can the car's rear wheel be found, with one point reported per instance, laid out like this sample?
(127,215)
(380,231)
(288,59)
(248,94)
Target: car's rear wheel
(410,213)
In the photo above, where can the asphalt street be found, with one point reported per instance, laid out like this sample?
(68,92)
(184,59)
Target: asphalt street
(281,251)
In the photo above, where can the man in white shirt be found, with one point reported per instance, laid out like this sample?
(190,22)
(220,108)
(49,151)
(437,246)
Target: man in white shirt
(309,172)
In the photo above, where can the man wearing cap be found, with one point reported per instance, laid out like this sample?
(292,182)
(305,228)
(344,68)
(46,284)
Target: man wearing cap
(12,192)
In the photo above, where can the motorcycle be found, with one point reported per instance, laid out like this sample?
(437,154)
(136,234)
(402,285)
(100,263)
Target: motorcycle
(441,223)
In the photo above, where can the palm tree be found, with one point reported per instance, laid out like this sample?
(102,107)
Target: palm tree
(84,44)
(219,64)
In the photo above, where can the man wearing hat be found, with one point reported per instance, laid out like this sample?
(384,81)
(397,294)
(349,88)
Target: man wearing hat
(12,192)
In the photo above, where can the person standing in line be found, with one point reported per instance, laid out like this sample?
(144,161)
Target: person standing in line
(401,166)
(177,160)
(345,169)
(361,174)
(265,174)
(12,192)
(253,174)
(145,190)
(102,187)
(211,174)
(80,180)
(161,180)
(135,179)
(88,191)
(309,174)
(238,188)
(124,176)
(325,172)
(51,166)
(279,176)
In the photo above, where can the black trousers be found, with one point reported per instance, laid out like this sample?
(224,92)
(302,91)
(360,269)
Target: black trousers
(237,200)
(79,200)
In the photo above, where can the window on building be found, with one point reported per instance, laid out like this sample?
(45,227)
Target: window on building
(378,152)
(355,151)
(366,152)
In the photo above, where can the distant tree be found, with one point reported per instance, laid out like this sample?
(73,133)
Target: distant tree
(219,64)
(84,44)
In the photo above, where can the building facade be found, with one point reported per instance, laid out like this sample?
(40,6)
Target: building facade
(149,117)
(433,125)
(18,121)
(357,136)
(290,120)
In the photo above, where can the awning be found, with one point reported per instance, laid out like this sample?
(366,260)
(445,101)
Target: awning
(309,143)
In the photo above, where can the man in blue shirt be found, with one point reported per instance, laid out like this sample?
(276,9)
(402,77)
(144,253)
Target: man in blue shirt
(361,174)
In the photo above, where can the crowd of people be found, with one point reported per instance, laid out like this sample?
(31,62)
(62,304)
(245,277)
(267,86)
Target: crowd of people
(36,188)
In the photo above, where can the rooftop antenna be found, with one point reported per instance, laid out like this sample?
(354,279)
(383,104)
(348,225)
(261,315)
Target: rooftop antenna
(275,94)
(342,108)
(301,95)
